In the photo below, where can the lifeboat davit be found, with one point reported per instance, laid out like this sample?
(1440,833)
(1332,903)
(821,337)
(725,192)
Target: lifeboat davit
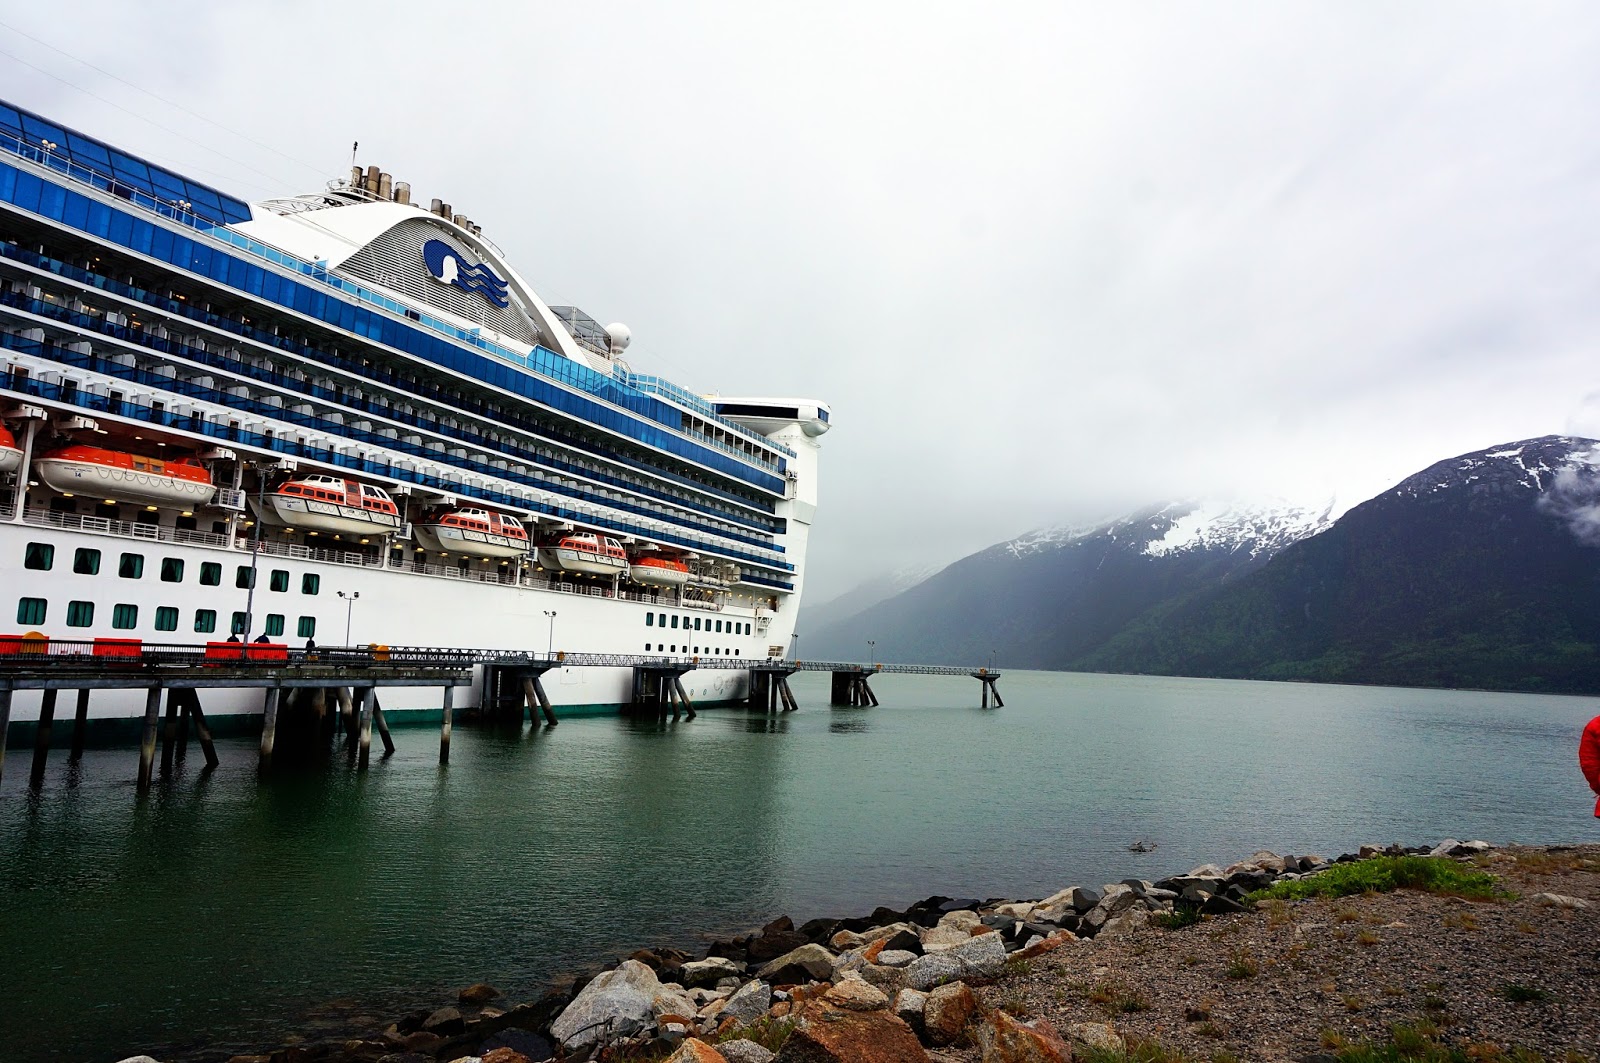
(473,531)
(123,477)
(592,555)
(659,572)
(10,453)
(328,503)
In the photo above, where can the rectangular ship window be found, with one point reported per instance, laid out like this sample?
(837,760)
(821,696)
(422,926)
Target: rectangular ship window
(649,621)
(274,624)
(205,621)
(80,614)
(674,624)
(131,566)
(307,627)
(279,580)
(310,583)
(244,578)
(236,626)
(30,610)
(210,574)
(86,562)
(40,556)
(167,618)
(171,571)
(125,617)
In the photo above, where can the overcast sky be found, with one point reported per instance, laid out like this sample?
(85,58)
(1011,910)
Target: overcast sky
(1046,261)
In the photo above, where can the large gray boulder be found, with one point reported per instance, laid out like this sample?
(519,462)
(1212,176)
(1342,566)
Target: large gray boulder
(744,1051)
(808,963)
(618,1003)
(709,971)
(981,957)
(748,1004)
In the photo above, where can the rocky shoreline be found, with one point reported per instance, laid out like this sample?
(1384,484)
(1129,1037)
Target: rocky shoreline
(1085,971)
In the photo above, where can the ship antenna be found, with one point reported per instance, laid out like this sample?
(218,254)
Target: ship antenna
(353,146)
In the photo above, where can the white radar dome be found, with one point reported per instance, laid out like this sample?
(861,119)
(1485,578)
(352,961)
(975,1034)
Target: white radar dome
(619,335)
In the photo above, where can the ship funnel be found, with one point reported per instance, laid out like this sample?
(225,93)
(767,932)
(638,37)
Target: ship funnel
(402,192)
(437,207)
(371,184)
(385,186)
(355,177)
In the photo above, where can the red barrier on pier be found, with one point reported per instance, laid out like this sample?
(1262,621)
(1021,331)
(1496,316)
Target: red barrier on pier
(118,647)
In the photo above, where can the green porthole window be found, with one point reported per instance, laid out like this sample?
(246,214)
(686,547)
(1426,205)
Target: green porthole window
(649,620)
(39,556)
(210,574)
(244,578)
(307,627)
(131,566)
(86,562)
(30,610)
(172,570)
(310,583)
(167,618)
(237,625)
(274,626)
(80,614)
(279,581)
(205,621)
(125,617)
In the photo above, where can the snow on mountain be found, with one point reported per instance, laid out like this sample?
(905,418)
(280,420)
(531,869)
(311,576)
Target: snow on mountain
(1533,464)
(1178,527)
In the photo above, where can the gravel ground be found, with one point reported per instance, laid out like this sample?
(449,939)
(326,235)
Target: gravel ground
(1292,980)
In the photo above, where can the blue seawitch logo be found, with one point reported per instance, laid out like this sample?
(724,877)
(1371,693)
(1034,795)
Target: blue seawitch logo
(447,266)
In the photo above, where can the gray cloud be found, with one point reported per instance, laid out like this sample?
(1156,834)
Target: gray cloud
(1045,260)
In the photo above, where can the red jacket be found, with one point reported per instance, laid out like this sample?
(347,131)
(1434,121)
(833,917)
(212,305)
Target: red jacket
(1589,757)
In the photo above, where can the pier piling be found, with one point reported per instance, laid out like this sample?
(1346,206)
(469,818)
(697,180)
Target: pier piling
(147,745)
(683,697)
(365,738)
(444,726)
(197,715)
(169,735)
(80,726)
(5,722)
(269,727)
(990,690)
(41,738)
(383,724)
(347,715)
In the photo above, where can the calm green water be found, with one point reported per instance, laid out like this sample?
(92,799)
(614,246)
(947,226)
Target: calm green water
(224,913)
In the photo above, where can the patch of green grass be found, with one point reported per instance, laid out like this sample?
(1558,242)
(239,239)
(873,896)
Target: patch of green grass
(1421,1044)
(766,1031)
(1430,874)
(1182,915)
(1523,994)
(1241,965)
(1114,998)
(1137,1051)
(1018,965)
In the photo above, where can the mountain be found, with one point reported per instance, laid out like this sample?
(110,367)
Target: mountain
(1479,571)
(822,615)
(1053,596)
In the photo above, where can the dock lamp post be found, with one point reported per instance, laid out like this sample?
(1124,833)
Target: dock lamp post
(872,647)
(794,639)
(349,607)
(255,551)
(550,642)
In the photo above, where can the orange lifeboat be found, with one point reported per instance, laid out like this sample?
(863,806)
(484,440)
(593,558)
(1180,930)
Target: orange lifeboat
(659,572)
(586,553)
(10,453)
(473,531)
(123,477)
(329,503)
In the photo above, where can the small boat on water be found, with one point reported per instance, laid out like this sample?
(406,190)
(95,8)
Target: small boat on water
(655,571)
(10,453)
(332,504)
(587,554)
(124,477)
(470,530)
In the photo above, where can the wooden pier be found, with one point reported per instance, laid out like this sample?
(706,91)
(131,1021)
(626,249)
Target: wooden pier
(348,679)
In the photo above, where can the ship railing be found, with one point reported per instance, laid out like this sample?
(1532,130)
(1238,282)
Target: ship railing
(23,654)
(129,529)
(317,271)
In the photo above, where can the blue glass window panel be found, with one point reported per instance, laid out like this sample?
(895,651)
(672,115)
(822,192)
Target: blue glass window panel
(202,196)
(131,169)
(167,186)
(38,129)
(86,150)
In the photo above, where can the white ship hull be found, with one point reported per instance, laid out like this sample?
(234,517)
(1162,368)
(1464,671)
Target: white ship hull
(125,485)
(469,541)
(313,514)
(395,608)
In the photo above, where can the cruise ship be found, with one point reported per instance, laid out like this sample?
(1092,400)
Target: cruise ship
(343,418)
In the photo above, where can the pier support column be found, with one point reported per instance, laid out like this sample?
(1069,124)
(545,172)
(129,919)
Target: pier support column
(197,716)
(269,727)
(990,690)
(544,702)
(347,713)
(169,735)
(147,746)
(5,723)
(80,726)
(843,688)
(364,738)
(683,697)
(41,738)
(444,725)
(383,724)
(789,703)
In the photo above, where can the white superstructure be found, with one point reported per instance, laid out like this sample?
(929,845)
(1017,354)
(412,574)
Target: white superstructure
(347,366)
